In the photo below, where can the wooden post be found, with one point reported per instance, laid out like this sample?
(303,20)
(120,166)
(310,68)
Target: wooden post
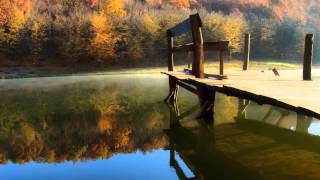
(173,91)
(247,49)
(303,123)
(170,51)
(242,106)
(307,63)
(206,97)
(198,62)
(221,63)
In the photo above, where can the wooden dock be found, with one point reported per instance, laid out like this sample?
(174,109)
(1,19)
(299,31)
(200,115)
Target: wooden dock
(264,87)
(291,90)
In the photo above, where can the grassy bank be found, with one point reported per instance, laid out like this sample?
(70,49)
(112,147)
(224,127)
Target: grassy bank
(211,67)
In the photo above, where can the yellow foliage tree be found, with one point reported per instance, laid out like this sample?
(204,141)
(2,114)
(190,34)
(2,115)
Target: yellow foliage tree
(148,24)
(104,42)
(11,36)
(228,28)
(18,21)
(233,28)
(114,8)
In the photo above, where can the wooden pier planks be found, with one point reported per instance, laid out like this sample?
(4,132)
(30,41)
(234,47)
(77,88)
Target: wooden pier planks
(286,91)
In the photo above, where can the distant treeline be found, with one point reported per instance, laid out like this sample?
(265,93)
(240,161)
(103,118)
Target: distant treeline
(124,31)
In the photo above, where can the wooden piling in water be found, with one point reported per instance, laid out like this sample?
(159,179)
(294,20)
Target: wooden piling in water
(206,97)
(173,91)
(247,49)
(308,53)
(198,63)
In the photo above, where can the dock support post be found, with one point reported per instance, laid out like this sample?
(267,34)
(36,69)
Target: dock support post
(206,100)
(198,62)
(173,91)
(170,51)
(303,123)
(247,50)
(307,63)
(242,106)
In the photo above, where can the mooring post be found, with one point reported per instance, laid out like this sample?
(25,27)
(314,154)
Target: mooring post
(221,63)
(170,51)
(247,50)
(198,62)
(308,53)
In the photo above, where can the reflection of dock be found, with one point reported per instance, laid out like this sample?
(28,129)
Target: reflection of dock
(198,152)
(245,149)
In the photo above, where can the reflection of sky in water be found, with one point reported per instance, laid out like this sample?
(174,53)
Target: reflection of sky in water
(140,166)
(314,128)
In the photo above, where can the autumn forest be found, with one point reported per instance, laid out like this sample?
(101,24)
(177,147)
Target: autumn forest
(131,31)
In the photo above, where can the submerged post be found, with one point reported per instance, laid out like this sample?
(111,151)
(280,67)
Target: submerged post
(170,51)
(307,62)
(198,62)
(247,50)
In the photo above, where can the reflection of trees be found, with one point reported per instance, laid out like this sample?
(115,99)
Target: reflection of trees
(73,123)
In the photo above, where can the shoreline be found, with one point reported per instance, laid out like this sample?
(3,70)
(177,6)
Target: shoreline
(211,67)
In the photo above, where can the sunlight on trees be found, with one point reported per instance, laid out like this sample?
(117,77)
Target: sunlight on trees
(225,28)
(104,42)
(131,30)
(114,8)
(5,13)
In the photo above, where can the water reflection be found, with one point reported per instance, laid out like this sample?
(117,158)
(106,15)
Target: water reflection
(118,127)
(259,142)
(80,119)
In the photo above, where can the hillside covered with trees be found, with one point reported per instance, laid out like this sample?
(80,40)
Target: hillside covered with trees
(131,31)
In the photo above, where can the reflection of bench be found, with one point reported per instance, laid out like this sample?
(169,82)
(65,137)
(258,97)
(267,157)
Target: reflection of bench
(193,24)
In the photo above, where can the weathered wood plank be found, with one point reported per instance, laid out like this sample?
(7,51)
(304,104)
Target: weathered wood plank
(187,87)
(216,46)
(183,48)
(207,46)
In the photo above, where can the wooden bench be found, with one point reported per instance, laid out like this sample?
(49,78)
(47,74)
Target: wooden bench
(194,25)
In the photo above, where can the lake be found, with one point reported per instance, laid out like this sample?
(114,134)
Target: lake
(118,127)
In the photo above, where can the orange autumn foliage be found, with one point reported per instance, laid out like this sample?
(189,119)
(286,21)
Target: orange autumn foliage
(180,3)
(103,44)
(114,8)
(5,12)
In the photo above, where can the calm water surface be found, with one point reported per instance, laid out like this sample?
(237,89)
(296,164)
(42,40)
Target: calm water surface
(117,127)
